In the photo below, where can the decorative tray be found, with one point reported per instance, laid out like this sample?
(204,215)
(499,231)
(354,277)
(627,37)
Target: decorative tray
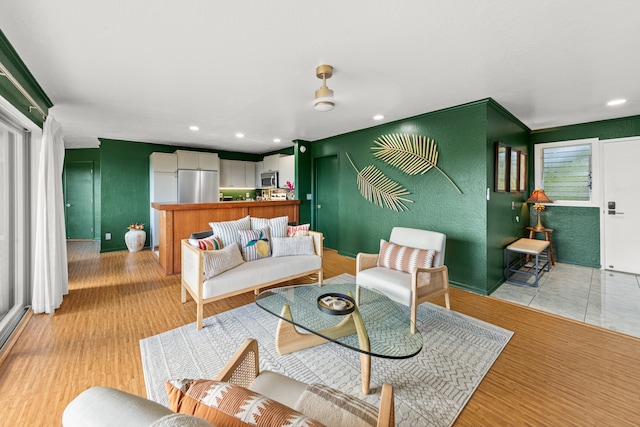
(336,304)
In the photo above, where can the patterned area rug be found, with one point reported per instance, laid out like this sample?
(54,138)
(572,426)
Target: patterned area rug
(429,389)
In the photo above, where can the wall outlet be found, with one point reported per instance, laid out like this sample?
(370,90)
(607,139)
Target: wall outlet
(309,196)
(107,236)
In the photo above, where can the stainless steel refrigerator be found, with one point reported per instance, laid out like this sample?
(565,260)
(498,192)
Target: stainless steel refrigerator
(198,186)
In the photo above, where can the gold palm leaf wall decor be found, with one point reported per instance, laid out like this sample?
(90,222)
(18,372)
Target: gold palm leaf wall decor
(379,189)
(412,154)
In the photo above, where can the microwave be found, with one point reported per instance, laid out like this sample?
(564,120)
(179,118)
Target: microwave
(269,179)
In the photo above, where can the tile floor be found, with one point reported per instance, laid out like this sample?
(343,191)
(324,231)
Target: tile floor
(603,298)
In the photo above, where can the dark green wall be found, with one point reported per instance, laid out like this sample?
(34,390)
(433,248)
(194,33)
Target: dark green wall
(91,155)
(504,222)
(303,179)
(576,239)
(125,188)
(460,135)
(11,60)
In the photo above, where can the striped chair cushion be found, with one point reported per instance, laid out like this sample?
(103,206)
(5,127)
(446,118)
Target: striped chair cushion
(277,226)
(404,258)
(336,408)
(228,230)
(224,404)
(216,262)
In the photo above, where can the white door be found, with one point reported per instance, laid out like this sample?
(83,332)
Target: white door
(621,205)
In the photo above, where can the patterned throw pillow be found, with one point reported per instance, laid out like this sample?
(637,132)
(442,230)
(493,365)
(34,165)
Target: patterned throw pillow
(228,230)
(212,243)
(277,226)
(224,404)
(216,262)
(404,258)
(287,246)
(255,244)
(336,408)
(298,230)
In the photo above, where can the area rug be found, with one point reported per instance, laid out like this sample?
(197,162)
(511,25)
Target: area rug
(430,389)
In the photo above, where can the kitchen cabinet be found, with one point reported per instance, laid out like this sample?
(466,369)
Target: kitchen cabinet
(237,174)
(163,162)
(271,163)
(198,160)
(286,165)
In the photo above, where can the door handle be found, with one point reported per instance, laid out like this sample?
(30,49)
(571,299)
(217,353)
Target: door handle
(615,213)
(319,206)
(68,205)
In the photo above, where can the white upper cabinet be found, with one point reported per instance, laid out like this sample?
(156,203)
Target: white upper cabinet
(237,174)
(163,162)
(198,160)
(271,163)
(259,170)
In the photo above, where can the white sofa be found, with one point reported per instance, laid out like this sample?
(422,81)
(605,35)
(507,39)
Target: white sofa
(248,276)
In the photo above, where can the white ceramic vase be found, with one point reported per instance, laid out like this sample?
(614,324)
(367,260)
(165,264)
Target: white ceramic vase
(135,239)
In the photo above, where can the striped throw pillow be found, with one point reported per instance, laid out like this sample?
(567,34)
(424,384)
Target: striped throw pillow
(277,226)
(224,404)
(216,262)
(255,244)
(228,230)
(211,243)
(404,258)
(287,246)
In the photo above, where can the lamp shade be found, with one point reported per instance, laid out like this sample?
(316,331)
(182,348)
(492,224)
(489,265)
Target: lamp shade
(538,196)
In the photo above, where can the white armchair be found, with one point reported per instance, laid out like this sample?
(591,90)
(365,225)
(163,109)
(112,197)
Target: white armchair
(410,289)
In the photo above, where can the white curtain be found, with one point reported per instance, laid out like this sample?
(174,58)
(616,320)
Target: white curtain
(51,280)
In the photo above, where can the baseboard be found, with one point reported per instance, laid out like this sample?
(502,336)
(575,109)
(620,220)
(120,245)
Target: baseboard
(4,353)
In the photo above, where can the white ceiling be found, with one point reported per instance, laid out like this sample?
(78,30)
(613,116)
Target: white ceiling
(145,70)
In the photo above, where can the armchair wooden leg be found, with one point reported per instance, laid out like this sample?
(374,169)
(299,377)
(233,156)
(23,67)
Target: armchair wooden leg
(183,294)
(414,317)
(199,314)
(447,303)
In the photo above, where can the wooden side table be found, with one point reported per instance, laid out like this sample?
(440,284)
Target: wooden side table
(547,236)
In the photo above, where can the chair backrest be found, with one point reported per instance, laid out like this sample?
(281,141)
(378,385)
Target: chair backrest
(421,239)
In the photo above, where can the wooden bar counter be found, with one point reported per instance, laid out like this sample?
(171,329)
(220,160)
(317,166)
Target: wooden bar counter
(178,221)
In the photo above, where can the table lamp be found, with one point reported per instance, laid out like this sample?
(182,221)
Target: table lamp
(538,196)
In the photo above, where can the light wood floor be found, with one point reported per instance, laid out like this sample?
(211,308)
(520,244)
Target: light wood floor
(553,372)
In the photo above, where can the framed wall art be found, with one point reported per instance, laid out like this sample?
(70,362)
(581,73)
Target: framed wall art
(501,172)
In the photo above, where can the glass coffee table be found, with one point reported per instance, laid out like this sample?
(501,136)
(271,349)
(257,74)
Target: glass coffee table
(376,326)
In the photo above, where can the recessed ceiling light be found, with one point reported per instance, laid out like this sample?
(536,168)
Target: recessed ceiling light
(378,117)
(276,140)
(239,135)
(194,128)
(616,102)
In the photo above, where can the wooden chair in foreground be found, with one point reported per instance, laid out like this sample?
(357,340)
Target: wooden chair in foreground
(415,285)
(243,369)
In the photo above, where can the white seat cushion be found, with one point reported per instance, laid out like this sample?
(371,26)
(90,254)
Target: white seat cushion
(393,283)
(278,387)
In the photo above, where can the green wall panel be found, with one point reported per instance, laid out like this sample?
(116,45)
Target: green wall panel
(303,178)
(505,223)
(93,155)
(576,239)
(125,188)
(460,135)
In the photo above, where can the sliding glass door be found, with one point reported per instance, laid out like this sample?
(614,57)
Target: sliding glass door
(14,229)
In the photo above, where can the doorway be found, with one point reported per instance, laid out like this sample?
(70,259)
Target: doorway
(79,200)
(325,208)
(620,216)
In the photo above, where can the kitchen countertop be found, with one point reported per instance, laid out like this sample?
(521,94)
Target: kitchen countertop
(220,205)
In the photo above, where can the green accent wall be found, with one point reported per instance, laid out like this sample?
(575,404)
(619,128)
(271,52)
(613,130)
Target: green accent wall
(303,167)
(125,188)
(465,138)
(91,155)
(576,236)
(12,61)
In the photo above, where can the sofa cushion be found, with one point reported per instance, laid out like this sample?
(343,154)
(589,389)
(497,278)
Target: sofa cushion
(336,408)
(265,270)
(278,387)
(226,404)
(210,243)
(277,226)
(298,230)
(255,244)
(288,246)
(404,258)
(228,230)
(216,262)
